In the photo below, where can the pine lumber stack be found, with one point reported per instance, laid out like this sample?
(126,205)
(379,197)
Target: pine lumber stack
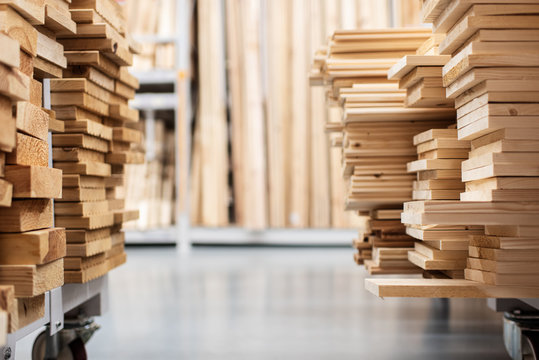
(31,249)
(100,138)
(491,77)
(385,249)
(150,186)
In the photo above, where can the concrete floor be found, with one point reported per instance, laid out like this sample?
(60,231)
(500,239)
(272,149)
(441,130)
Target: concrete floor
(277,303)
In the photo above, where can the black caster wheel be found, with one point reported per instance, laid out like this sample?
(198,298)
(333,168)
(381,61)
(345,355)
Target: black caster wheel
(74,350)
(530,345)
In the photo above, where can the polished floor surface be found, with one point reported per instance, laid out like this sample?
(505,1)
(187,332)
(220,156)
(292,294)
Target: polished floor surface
(278,303)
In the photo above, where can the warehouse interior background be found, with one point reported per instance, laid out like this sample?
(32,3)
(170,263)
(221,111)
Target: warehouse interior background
(304,179)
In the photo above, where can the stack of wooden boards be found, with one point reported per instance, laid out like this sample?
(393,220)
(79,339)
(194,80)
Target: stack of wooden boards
(385,249)
(443,248)
(31,249)
(150,186)
(377,128)
(492,78)
(100,138)
(154,19)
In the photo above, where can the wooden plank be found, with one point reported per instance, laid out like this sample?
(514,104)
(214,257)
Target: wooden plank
(91,74)
(109,10)
(478,75)
(16,27)
(32,120)
(14,84)
(409,62)
(29,151)
(504,267)
(50,50)
(8,133)
(88,127)
(36,92)
(8,303)
(82,194)
(33,280)
(26,215)
(499,242)
(123,112)
(81,236)
(75,180)
(90,248)
(86,168)
(86,222)
(81,208)
(44,69)
(6,193)
(59,21)
(10,56)
(30,309)
(34,181)
(419,73)
(491,278)
(81,99)
(83,276)
(125,216)
(435,264)
(80,140)
(470,24)
(33,247)
(445,288)
(77,155)
(125,158)
(434,164)
(30,9)
(93,58)
(126,135)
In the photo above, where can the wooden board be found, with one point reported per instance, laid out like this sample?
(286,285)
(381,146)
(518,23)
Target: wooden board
(445,288)
(83,276)
(90,248)
(81,99)
(85,168)
(29,151)
(82,194)
(75,180)
(8,135)
(6,192)
(80,140)
(33,280)
(48,49)
(34,181)
(33,247)
(81,208)
(88,127)
(91,222)
(26,215)
(14,84)
(16,27)
(93,58)
(32,120)
(405,65)
(10,56)
(82,236)
(77,155)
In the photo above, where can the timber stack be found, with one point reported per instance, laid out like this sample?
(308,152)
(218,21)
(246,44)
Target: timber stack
(32,250)
(100,138)
(492,78)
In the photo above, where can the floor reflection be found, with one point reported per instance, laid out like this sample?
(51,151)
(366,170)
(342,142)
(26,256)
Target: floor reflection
(278,303)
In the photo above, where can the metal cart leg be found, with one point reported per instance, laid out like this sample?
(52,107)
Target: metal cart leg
(521,334)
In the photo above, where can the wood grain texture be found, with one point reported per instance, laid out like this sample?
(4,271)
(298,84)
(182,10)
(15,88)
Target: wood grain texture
(26,215)
(34,181)
(33,247)
(33,280)
(29,151)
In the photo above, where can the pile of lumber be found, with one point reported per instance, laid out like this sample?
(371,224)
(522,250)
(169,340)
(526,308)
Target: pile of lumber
(492,78)
(377,130)
(154,23)
(443,248)
(389,243)
(100,138)
(31,249)
(150,186)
